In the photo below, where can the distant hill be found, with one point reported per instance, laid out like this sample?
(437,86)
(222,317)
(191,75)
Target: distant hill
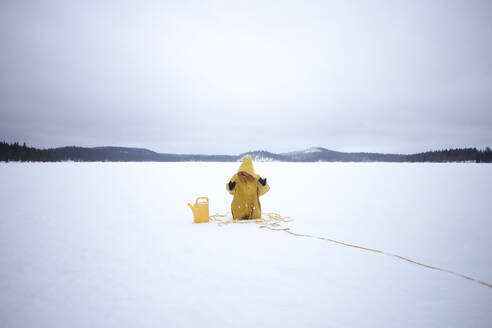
(16,152)
(320,154)
(124,154)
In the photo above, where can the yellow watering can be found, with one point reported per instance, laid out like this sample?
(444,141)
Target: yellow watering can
(200,210)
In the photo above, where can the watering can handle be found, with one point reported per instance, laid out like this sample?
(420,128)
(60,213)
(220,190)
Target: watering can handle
(201,198)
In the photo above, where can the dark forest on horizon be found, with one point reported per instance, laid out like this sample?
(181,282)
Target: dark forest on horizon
(14,152)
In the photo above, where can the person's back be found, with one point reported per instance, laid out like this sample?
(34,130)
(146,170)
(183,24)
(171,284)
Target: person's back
(247,187)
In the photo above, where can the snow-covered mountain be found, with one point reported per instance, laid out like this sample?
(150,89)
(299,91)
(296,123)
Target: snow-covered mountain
(262,156)
(320,154)
(307,151)
(124,154)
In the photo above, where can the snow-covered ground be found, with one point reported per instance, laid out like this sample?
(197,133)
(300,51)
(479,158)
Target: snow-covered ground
(113,245)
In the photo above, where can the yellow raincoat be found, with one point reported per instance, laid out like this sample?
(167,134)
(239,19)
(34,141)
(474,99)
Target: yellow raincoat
(246,191)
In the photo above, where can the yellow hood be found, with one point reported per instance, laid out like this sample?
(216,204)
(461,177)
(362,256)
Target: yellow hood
(247,166)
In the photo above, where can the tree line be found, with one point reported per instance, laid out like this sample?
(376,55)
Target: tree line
(17,153)
(452,155)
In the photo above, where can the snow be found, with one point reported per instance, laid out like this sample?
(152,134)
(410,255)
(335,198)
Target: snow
(113,245)
(258,158)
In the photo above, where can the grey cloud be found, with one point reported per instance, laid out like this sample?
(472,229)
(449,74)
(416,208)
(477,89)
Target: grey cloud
(227,77)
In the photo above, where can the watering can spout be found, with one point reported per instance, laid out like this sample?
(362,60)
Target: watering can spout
(192,208)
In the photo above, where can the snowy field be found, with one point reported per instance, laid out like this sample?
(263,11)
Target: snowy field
(113,245)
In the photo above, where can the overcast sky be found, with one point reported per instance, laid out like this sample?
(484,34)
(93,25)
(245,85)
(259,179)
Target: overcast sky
(228,77)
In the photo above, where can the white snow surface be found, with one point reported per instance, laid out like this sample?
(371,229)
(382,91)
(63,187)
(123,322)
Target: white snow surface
(113,245)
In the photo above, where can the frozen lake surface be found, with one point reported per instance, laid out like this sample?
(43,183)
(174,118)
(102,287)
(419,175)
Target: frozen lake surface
(113,245)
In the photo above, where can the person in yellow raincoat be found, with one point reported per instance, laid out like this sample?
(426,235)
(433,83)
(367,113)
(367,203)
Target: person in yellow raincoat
(247,187)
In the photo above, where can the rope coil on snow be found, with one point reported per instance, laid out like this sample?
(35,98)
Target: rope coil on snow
(273,221)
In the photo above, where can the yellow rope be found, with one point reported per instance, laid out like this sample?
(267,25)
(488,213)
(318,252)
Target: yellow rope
(273,221)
